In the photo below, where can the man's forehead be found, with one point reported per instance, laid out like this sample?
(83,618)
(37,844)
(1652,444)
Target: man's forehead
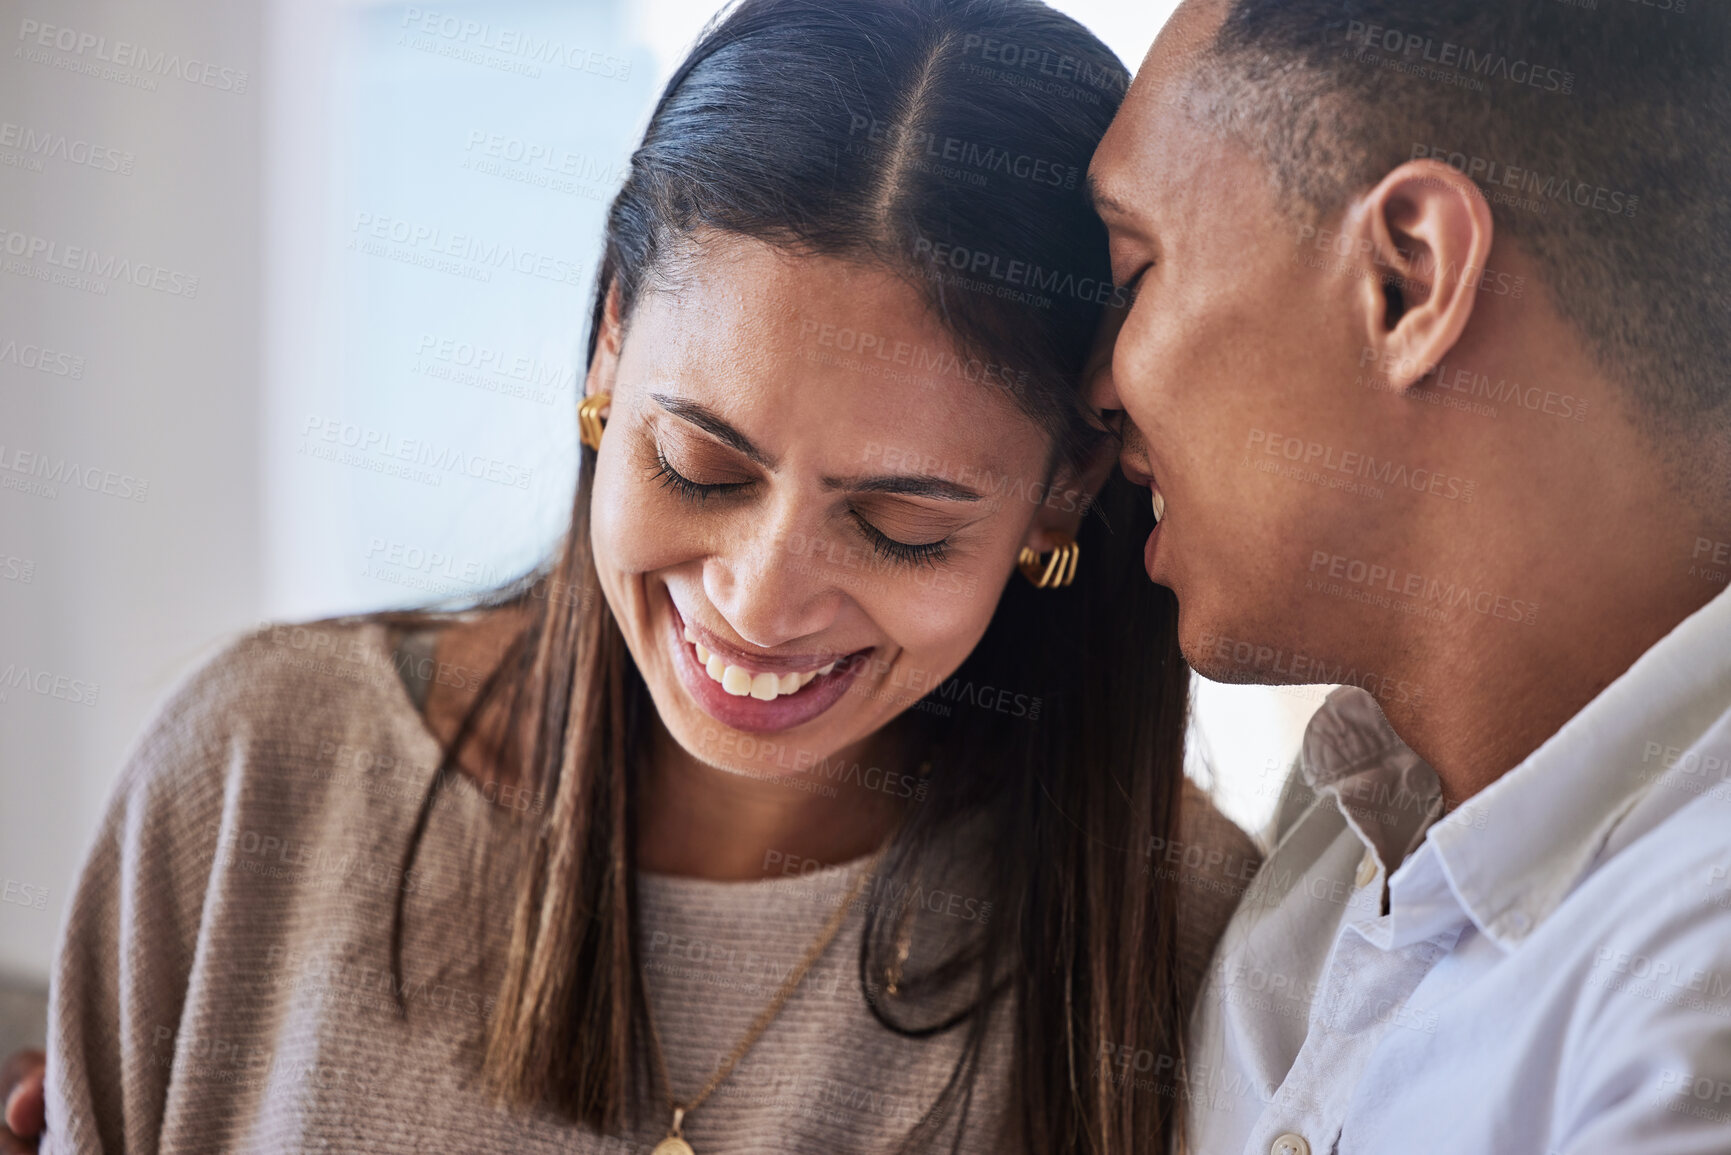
(1184,37)
(1155,96)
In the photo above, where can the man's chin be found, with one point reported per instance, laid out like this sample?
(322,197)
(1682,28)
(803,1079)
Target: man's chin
(1223,652)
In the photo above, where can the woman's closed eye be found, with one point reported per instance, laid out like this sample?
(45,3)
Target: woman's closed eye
(669,476)
(685,487)
(913,553)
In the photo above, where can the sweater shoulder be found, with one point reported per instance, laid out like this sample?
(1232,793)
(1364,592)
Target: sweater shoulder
(262,693)
(1214,862)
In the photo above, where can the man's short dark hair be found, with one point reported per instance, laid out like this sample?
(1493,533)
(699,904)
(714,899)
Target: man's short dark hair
(1600,131)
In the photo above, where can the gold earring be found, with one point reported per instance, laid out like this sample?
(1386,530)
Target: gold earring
(1056,569)
(589,419)
(904,940)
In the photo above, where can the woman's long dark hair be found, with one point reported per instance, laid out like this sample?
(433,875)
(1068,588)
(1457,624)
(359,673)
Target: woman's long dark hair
(946,140)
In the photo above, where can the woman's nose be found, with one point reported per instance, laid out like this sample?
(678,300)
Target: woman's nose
(771,587)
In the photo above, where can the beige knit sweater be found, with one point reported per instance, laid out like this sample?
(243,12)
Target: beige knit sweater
(222,980)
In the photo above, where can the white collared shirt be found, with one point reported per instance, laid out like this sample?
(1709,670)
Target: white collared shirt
(1553,973)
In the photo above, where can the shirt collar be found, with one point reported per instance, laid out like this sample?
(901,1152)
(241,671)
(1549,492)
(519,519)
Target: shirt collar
(1387,794)
(1515,850)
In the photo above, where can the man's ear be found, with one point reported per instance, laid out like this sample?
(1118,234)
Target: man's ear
(1069,498)
(604,367)
(1425,230)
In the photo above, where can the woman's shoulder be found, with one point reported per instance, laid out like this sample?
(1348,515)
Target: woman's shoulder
(278,671)
(284,763)
(278,694)
(1213,861)
(1221,842)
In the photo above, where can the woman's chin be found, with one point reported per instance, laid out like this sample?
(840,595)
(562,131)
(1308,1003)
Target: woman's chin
(771,755)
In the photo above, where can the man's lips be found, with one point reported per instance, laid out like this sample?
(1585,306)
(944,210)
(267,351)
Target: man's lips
(1139,474)
(1136,471)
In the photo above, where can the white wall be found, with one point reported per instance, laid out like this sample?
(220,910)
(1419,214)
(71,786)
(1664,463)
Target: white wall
(121,593)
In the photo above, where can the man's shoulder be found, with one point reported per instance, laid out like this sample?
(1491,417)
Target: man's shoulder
(1668,889)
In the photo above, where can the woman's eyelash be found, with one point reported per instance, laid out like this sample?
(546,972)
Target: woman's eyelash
(925,553)
(671,478)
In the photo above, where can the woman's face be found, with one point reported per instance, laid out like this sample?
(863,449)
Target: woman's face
(807,501)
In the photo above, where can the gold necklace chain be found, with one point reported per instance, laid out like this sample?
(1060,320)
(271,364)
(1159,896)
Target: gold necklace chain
(675,1143)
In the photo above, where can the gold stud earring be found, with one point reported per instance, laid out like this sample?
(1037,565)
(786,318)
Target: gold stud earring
(1054,569)
(590,420)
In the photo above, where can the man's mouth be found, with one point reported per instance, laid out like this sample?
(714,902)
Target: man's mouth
(742,680)
(1139,474)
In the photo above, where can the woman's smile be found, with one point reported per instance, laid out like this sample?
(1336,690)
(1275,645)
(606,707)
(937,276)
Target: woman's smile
(755,692)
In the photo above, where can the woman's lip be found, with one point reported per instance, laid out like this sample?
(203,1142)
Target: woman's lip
(757,663)
(749,714)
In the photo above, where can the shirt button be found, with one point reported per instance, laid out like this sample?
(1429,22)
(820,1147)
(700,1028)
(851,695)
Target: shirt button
(1290,1144)
(1366,869)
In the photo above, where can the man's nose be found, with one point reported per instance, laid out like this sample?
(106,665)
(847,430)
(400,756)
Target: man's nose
(1098,384)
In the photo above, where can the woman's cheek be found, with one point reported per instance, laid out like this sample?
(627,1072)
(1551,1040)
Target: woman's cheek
(637,527)
(938,616)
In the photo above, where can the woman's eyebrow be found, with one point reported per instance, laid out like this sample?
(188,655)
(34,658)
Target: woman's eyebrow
(905,485)
(896,484)
(713,424)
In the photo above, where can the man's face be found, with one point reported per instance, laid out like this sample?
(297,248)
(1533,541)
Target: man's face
(1235,353)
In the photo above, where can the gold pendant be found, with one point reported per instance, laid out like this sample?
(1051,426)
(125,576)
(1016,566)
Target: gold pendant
(675,1143)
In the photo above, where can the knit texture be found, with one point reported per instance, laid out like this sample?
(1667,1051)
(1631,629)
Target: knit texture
(222,981)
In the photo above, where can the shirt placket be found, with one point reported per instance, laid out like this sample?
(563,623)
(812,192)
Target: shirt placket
(1360,999)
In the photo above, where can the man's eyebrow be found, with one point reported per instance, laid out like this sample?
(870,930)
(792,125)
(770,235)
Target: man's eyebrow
(1101,201)
(905,485)
(713,424)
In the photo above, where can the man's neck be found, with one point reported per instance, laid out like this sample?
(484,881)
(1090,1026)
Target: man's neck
(1592,523)
(1495,693)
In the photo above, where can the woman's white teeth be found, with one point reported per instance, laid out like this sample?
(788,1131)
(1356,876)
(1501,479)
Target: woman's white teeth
(1159,506)
(739,681)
